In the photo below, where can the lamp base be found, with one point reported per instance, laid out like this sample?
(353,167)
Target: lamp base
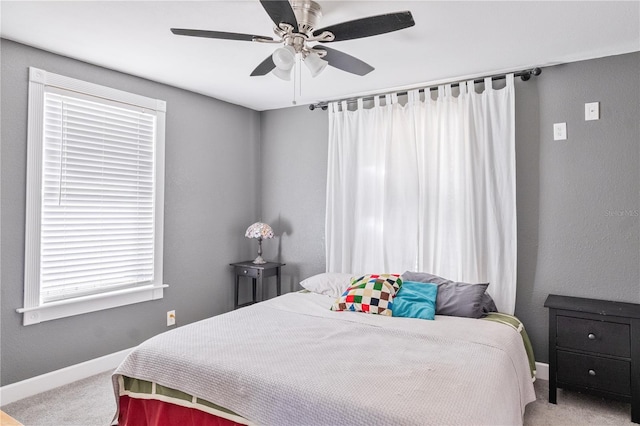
(259,260)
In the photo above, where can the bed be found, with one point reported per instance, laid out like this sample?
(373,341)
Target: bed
(291,360)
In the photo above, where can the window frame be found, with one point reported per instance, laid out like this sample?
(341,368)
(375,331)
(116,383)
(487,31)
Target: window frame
(34,310)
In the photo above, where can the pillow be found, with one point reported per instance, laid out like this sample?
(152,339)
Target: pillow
(329,283)
(488,305)
(393,279)
(454,298)
(416,300)
(372,294)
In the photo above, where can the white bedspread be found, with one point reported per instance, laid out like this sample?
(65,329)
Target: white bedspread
(292,361)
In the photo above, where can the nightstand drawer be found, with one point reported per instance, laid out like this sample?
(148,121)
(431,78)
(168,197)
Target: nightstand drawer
(605,374)
(247,272)
(593,336)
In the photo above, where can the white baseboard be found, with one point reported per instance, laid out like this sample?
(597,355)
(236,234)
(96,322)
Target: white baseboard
(542,371)
(64,376)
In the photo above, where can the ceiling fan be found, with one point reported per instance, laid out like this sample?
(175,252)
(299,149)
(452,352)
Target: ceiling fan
(295,27)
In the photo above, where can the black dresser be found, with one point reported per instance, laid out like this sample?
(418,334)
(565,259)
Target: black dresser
(594,347)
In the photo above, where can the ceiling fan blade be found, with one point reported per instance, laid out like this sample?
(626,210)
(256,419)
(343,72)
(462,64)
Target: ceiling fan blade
(265,67)
(346,62)
(218,34)
(280,11)
(367,27)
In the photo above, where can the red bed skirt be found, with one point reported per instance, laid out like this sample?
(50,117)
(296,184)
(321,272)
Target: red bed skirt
(152,412)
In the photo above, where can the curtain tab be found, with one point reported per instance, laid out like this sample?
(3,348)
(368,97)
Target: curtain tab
(488,84)
(344,105)
(414,96)
(447,90)
(463,88)
(509,78)
(376,101)
(387,100)
(394,98)
(440,92)
(471,87)
(360,103)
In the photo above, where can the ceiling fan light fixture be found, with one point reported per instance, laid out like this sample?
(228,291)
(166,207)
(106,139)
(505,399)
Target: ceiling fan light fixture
(315,64)
(284,58)
(282,73)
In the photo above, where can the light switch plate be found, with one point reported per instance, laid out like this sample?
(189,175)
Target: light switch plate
(559,131)
(592,111)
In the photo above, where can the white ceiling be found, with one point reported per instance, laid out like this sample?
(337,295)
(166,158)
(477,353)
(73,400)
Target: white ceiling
(451,40)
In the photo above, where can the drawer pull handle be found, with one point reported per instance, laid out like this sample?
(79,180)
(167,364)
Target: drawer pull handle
(245,271)
(592,373)
(592,336)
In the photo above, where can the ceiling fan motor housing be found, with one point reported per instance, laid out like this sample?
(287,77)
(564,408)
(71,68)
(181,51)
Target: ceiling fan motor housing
(308,13)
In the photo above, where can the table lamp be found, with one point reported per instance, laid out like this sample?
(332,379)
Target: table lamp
(260,231)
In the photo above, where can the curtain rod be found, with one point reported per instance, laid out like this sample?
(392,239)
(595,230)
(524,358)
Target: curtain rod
(525,75)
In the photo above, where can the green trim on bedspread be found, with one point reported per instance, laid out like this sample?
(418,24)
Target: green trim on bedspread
(516,324)
(214,406)
(137,386)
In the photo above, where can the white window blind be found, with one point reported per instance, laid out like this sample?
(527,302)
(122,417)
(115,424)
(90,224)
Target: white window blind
(98,197)
(95,197)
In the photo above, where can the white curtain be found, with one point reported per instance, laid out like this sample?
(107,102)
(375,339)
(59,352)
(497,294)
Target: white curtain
(426,186)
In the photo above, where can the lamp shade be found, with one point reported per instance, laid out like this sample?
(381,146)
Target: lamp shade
(315,64)
(259,230)
(284,57)
(282,74)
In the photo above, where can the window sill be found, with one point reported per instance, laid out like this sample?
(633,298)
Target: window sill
(86,304)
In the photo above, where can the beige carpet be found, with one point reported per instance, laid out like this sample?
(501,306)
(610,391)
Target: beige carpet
(87,402)
(90,402)
(574,409)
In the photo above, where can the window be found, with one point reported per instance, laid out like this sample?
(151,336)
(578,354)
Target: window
(95,186)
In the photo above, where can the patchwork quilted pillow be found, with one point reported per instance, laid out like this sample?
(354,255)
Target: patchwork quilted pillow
(372,294)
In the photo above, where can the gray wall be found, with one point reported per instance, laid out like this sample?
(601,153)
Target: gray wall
(211,196)
(578,200)
(294,176)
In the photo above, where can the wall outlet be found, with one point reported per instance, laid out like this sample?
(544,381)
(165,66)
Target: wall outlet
(171,318)
(559,131)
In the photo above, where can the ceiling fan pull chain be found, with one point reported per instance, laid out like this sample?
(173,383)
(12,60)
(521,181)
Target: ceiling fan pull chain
(299,77)
(295,78)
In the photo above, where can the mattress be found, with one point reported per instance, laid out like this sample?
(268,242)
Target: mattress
(290,360)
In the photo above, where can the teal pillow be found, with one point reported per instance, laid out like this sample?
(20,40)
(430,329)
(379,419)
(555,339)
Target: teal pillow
(416,300)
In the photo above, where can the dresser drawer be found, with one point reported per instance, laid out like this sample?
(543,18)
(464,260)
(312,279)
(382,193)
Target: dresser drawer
(247,272)
(605,374)
(593,336)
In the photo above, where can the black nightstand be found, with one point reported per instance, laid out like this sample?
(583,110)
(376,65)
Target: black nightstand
(257,272)
(594,347)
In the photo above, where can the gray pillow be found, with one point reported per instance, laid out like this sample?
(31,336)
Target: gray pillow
(488,305)
(456,298)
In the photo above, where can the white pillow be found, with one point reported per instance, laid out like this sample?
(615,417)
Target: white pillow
(329,283)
